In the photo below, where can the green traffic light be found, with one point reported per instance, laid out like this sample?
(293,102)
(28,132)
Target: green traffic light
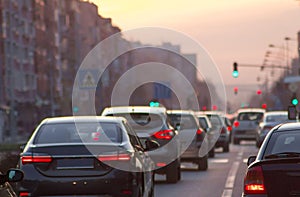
(295,101)
(235,73)
(154,104)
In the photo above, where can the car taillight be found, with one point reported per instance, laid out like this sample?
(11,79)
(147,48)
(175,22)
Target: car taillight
(117,157)
(236,124)
(164,134)
(199,131)
(254,181)
(23,194)
(36,159)
(229,128)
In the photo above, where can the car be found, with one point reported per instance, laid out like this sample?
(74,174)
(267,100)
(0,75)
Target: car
(207,127)
(151,123)
(85,155)
(219,129)
(11,176)
(270,119)
(275,170)
(194,145)
(246,124)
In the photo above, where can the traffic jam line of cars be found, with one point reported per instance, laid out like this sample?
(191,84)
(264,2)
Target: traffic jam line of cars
(119,152)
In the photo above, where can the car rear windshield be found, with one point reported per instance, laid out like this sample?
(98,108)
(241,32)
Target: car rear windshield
(203,122)
(215,120)
(277,118)
(250,116)
(145,122)
(79,132)
(184,120)
(284,142)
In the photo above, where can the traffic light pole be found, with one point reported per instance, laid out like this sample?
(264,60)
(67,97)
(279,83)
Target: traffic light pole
(263,67)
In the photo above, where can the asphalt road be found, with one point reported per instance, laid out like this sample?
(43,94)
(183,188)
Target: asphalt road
(224,177)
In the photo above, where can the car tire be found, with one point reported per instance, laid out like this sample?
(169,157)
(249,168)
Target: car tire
(202,163)
(226,148)
(211,153)
(173,172)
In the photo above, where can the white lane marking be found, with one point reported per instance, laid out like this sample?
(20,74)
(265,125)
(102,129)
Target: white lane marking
(218,160)
(227,193)
(231,175)
(245,160)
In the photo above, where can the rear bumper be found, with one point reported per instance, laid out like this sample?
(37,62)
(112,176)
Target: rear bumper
(244,135)
(114,183)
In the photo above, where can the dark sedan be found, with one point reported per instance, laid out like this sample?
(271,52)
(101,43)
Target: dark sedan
(275,171)
(85,156)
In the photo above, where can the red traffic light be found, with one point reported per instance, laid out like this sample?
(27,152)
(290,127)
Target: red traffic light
(258,92)
(235,89)
(264,106)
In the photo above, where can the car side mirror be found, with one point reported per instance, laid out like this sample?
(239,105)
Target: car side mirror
(12,175)
(151,145)
(251,159)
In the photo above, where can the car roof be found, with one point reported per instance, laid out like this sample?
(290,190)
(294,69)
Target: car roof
(184,112)
(276,113)
(220,113)
(133,109)
(288,126)
(251,110)
(71,119)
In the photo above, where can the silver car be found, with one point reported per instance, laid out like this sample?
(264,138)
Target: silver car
(246,125)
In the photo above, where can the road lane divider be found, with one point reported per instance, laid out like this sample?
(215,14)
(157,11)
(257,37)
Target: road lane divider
(230,179)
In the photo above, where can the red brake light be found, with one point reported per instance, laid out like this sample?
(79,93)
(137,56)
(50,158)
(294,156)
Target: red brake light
(36,159)
(119,157)
(236,123)
(164,134)
(199,131)
(23,194)
(254,181)
(229,128)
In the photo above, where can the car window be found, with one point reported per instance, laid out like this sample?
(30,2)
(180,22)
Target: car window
(203,122)
(79,132)
(284,142)
(277,118)
(250,116)
(144,122)
(185,121)
(215,120)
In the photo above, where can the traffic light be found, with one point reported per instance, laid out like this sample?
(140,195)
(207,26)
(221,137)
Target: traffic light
(264,106)
(235,72)
(154,103)
(235,89)
(294,100)
(258,92)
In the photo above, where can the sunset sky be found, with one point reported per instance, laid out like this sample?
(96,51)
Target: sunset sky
(231,30)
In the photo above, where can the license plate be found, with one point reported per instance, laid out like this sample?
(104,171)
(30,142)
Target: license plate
(64,164)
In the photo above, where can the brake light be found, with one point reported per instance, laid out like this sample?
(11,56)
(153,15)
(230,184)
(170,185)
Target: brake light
(36,159)
(23,194)
(254,181)
(236,124)
(199,131)
(164,134)
(118,157)
(229,128)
